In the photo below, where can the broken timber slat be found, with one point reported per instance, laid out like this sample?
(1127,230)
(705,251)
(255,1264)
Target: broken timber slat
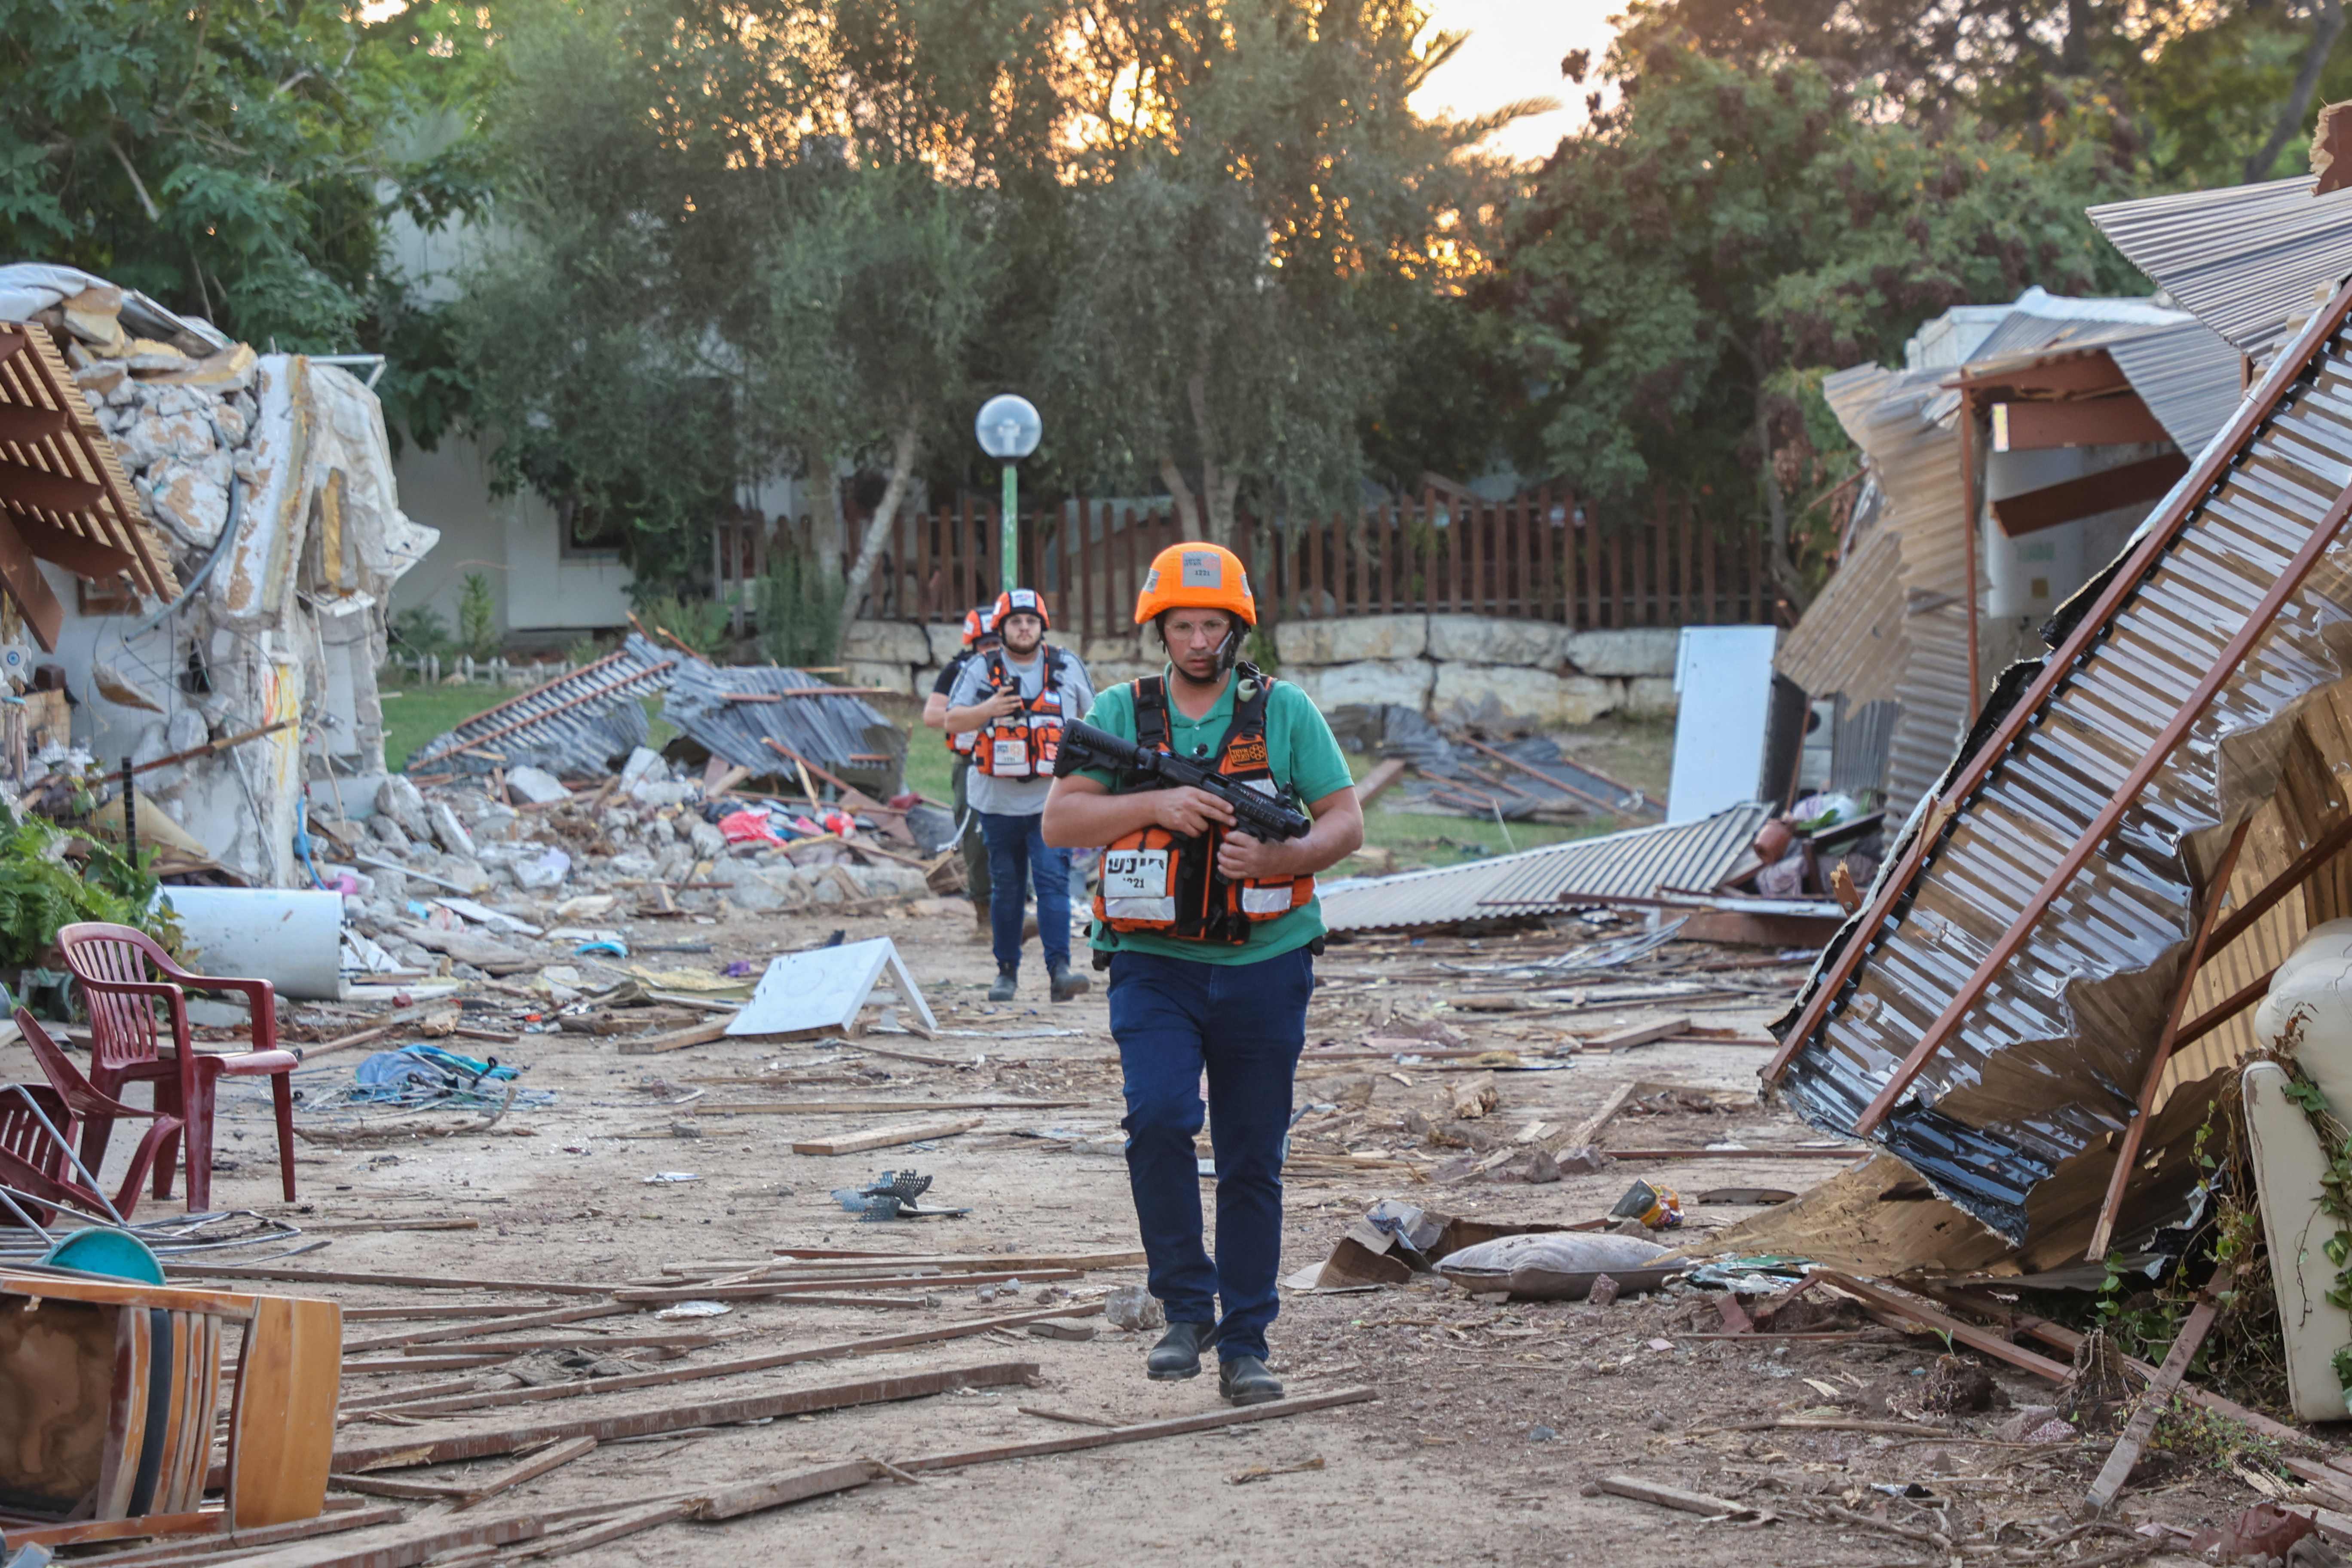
(874,1107)
(531,1469)
(1640,1035)
(1589,1128)
(678,1040)
(1376,783)
(500,1325)
(869,1345)
(1986,1340)
(214,1547)
(795,1287)
(888,1137)
(415,1282)
(2159,1394)
(1664,1496)
(2068,1340)
(429,1448)
(1274,1410)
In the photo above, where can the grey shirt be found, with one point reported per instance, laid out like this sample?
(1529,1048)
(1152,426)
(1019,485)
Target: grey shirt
(1019,797)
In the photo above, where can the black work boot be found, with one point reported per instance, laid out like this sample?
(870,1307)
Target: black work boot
(1244,1380)
(1007,983)
(1067,984)
(1177,1356)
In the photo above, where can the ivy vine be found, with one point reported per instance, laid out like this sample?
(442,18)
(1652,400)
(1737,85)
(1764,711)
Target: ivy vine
(2335,1200)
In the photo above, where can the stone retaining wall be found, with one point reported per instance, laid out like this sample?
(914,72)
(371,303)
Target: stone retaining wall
(1467,666)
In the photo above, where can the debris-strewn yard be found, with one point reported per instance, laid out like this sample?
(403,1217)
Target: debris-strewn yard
(637,1170)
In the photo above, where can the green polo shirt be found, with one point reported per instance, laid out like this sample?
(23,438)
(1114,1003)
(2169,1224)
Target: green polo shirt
(1300,750)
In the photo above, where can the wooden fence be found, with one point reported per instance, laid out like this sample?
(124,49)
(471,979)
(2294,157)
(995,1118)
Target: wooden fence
(1533,557)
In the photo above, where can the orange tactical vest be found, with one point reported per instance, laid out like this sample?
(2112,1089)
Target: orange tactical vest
(1022,744)
(1154,881)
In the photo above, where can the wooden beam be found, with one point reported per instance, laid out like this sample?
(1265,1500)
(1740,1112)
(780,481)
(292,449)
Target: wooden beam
(1272,1410)
(2234,653)
(2125,485)
(2217,887)
(2221,1012)
(2301,870)
(354,1277)
(2212,465)
(493,1325)
(2090,373)
(888,1137)
(400,1450)
(23,424)
(1376,783)
(2159,1394)
(2119,421)
(530,1469)
(871,1344)
(21,579)
(82,557)
(1986,1340)
(27,488)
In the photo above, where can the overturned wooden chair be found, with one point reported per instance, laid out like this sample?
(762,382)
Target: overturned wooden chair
(109,1393)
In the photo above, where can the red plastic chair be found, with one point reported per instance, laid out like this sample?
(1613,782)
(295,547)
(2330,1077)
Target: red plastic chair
(126,1044)
(69,1099)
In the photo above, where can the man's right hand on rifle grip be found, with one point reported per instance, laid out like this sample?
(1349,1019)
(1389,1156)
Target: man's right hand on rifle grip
(1188,813)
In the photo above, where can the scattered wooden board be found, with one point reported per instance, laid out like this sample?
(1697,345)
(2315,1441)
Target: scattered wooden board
(677,1039)
(871,1106)
(1640,1035)
(888,1137)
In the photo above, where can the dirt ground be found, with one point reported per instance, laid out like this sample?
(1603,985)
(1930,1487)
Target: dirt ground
(1491,1419)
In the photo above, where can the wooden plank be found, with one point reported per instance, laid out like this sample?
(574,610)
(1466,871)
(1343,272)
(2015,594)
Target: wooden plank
(404,1546)
(599,1533)
(82,557)
(678,1040)
(1663,1496)
(429,1447)
(282,1423)
(1272,1410)
(2144,1107)
(871,1344)
(422,1310)
(745,1292)
(355,1276)
(1376,783)
(20,576)
(2070,500)
(888,1137)
(870,1107)
(1589,1128)
(531,1469)
(2158,1393)
(1639,1035)
(219,1546)
(1986,1340)
(500,1325)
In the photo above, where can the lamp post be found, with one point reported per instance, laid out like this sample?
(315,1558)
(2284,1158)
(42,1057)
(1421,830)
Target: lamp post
(1009,430)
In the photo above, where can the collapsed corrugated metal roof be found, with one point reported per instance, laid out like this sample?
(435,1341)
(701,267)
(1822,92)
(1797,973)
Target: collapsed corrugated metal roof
(1993,1013)
(582,722)
(1633,864)
(2246,259)
(751,716)
(2187,374)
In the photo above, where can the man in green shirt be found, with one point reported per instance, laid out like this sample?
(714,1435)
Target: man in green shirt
(1210,936)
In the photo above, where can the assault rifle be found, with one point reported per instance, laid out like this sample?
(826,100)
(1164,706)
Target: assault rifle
(1261,815)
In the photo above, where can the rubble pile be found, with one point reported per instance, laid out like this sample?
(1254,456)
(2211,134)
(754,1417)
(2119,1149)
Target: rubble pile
(644,844)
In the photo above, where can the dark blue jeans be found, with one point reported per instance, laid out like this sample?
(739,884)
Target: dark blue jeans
(1018,855)
(1246,1022)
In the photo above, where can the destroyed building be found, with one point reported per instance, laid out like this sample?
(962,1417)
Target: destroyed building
(2037,1001)
(205,540)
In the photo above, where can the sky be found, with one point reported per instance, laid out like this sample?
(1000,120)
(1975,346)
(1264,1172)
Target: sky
(1514,52)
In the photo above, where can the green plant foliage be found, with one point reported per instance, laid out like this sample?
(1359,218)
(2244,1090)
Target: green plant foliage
(700,624)
(477,616)
(41,890)
(800,611)
(420,630)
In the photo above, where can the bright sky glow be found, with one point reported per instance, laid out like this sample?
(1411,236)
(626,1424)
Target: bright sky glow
(1513,53)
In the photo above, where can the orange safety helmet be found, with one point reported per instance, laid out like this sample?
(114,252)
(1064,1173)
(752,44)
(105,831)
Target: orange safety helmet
(978,624)
(1024,601)
(1196,576)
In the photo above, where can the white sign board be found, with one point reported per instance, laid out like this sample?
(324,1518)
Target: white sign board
(824,987)
(1723,688)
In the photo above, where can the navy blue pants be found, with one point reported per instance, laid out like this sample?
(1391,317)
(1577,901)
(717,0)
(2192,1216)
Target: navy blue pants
(1018,855)
(1246,1023)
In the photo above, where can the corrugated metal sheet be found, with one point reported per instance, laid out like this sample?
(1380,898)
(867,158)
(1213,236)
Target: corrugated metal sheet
(2190,377)
(2012,1117)
(1915,452)
(1633,864)
(2245,260)
(843,734)
(1850,639)
(577,723)
(1864,735)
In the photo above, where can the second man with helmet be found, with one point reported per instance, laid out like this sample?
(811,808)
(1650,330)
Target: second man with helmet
(1013,702)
